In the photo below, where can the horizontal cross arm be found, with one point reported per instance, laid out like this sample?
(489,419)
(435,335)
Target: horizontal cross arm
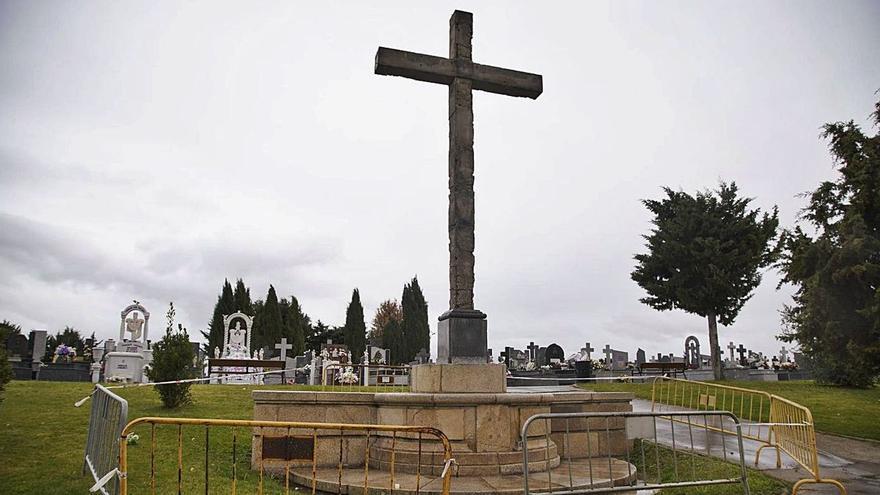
(441,70)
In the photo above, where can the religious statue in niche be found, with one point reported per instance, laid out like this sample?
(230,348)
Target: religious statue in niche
(135,325)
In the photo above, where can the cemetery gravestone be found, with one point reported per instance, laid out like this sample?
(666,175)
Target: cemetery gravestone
(692,352)
(555,355)
(640,357)
(619,360)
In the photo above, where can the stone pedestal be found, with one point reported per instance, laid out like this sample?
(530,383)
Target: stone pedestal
(461,337)
(458,378)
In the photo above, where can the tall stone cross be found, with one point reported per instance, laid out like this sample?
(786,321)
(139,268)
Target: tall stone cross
(730,349)
(462,339)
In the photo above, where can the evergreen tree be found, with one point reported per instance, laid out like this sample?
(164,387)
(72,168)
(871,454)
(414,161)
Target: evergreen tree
(225,306)
(271,327)
(704,255)
(416,329)
(318,336)
(297,326)
(835,317)
(242,298)
(172,360)
(394,341)
(355,329)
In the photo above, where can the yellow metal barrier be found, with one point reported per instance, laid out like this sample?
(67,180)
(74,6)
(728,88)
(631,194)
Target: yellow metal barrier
(774,421)
(288,442)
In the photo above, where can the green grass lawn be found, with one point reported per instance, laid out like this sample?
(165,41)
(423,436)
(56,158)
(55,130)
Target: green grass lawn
(836,410)
(683,466)
(42,438)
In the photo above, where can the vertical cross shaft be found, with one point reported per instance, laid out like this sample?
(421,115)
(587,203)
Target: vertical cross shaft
(461,168)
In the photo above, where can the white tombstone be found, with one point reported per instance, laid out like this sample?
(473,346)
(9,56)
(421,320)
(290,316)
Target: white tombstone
(125,360)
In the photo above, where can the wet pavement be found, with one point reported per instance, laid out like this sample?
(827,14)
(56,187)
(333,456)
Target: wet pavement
(855,463)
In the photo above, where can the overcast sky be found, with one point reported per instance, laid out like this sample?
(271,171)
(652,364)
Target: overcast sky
(148,150)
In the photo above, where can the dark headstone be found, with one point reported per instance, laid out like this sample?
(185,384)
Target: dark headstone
(17,345)
(554,354)
(640,357)
(541,357)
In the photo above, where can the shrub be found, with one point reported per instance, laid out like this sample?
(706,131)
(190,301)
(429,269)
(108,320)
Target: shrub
(173,360)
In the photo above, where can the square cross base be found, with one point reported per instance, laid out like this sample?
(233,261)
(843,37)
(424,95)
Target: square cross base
(461,337)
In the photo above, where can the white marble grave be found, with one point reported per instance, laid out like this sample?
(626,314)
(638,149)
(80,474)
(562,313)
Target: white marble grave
(125,359)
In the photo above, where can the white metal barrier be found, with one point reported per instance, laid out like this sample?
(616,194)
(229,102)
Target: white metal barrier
(109,415)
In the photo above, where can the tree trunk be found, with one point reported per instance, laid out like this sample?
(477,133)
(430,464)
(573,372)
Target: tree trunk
(713,346)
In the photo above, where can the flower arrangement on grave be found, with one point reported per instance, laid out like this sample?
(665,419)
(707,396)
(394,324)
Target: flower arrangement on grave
(132,439)
(788,366)
(531,366)
(597,364)
(64,352)
(347,377)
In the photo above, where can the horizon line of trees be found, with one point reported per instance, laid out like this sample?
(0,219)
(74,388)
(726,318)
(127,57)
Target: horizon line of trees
(273,319)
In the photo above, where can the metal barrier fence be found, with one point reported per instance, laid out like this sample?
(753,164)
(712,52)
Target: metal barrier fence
(320,457)
(107,418)
(349,377)
(750,406)
(621,451)
(774,421)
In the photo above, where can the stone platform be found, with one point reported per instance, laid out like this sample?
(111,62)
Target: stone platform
(351,480)
(483,429)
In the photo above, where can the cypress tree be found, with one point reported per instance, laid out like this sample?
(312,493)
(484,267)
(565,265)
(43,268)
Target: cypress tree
(355,330)
(416,331)
(242,298)
(394,341)
(271,327)
(297,327)
(225,306)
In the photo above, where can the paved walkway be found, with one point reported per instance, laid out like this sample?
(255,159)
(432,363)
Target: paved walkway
(855,463)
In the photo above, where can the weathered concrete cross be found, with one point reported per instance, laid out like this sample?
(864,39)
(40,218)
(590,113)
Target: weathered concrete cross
(284,346)
(783,354)
(607,351)
(731,348)
(588,350)
(462,76)
(741,350)
(533,351)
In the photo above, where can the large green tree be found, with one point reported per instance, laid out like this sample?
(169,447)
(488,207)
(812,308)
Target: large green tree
(225,305)
(835,315)
(416,330)
(704,256)
(355,329)
(271,327)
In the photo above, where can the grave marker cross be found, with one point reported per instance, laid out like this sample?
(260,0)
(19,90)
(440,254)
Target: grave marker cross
(741,350)
(607,351)
(588,350)
(783,354)
(462,76)
(532,351)
(730,349)
(284,346)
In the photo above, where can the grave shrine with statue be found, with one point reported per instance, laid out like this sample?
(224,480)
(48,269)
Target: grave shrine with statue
(125,359)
